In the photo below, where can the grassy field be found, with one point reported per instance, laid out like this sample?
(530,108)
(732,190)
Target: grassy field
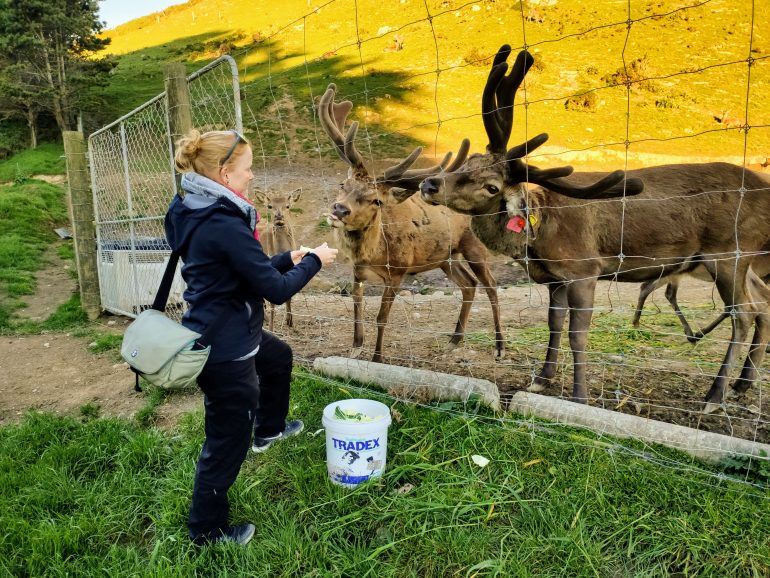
(46,159)
(87,496)
(686,61)
(29,211)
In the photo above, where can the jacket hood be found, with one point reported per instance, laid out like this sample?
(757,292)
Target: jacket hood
(184,216)
(203,197)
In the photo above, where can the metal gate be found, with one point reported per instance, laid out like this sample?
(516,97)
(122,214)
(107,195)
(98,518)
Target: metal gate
(132,179)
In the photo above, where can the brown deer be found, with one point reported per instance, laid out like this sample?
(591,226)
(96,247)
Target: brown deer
(277,235)
(714,214)
(388,232)
(761,268)
(728,121)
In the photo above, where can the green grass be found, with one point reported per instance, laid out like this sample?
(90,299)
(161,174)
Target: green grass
(109,497)
(29,212)
(46,159)
(685,65)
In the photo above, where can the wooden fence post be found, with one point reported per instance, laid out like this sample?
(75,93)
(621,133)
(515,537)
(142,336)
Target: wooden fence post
(179,112)
(80,203)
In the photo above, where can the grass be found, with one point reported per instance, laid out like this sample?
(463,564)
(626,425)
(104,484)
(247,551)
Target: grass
(684,67)
(105,496)
(29,212)
(46,159)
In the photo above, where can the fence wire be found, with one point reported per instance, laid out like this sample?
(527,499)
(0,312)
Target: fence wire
(647,369)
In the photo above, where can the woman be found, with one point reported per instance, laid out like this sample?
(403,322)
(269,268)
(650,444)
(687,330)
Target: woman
(246,378)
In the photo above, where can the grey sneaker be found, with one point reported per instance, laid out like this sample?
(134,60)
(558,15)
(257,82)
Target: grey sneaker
(293,427)
(241,534)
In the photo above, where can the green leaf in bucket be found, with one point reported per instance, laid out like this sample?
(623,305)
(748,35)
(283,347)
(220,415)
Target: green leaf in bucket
(343,415)
(338,413)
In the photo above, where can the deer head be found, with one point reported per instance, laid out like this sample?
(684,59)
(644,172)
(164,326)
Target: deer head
(488,181)
(361,195)
(278,203)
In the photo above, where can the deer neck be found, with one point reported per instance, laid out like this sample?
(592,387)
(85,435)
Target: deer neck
(362,245)
(282,237)
(490,229)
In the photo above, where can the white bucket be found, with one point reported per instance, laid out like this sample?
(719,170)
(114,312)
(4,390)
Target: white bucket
(356,451)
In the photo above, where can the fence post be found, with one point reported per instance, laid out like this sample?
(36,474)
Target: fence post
(80,203)
(179,111)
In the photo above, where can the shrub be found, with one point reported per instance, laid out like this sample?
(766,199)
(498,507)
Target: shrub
(582,102)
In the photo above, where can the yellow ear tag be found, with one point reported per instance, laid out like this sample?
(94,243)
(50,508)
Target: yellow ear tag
(532,220)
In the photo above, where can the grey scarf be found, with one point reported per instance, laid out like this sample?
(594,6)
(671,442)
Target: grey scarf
(205,187)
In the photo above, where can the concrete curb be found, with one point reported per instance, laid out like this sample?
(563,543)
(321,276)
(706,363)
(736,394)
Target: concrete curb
(404,381)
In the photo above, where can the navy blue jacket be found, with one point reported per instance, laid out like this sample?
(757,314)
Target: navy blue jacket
(227,272)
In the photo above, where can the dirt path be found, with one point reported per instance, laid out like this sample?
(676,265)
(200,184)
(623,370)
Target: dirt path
(56,371)
(55,283)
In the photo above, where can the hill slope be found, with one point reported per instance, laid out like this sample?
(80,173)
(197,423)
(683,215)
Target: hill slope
(693,56)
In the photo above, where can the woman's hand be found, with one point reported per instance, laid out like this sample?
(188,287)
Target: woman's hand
(296,255)
(326,254)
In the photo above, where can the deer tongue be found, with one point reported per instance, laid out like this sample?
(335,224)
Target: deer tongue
(516,224)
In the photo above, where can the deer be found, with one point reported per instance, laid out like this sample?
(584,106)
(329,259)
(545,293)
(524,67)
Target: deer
(642,225)
(277,235)
(388,232)
(761,268)
(728,121)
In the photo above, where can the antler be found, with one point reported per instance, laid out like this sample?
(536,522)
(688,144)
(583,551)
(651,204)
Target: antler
(332,116)
(497,111)
(409,179)
(607,187)
(499,92)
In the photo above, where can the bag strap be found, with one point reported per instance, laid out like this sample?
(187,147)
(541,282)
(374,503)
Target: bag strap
(161,297)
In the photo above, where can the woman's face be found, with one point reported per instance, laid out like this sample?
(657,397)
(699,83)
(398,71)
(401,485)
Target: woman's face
(237,174)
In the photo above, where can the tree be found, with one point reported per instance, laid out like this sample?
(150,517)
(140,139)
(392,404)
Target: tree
(20,96)
(49,46)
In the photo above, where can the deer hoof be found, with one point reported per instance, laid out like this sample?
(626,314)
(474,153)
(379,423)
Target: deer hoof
(712,407)
(456,339)
(500,354)
(356,352)
(536,387)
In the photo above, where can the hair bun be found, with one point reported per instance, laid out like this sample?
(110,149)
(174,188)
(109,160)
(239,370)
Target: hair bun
(187,149)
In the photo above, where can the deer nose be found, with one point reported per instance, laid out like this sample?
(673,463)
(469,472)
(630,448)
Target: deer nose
(340,211)
(430,186)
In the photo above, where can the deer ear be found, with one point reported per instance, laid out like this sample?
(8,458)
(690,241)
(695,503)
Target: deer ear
(398,195)
(295,195)
(260,197)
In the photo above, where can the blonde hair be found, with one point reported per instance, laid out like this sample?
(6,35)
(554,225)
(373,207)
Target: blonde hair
(203,152)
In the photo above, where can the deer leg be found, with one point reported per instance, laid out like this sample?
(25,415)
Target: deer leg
(671,291)
(557,312)
(382,317)
(757,351)
(358,323)
(750,372)
(644,292)
(698,335)
(580,297)
(483,274)
(459,273)
(731,284)
(289,317)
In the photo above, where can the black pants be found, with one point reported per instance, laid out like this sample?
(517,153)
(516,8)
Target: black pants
(238,396)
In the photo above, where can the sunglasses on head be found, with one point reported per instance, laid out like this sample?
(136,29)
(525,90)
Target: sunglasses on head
(239,138)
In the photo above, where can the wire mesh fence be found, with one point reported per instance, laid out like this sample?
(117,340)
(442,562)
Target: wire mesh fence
(133,180)
(623,104)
